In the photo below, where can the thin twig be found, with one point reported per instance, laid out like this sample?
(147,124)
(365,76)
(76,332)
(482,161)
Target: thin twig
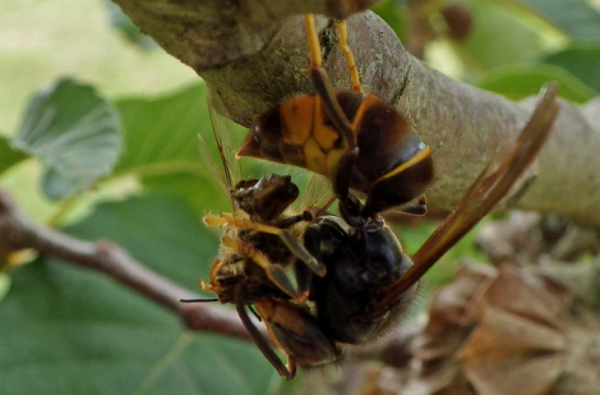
(17,232)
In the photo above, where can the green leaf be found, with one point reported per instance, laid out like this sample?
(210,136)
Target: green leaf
(201,193)
(161,134)
(8,155)
(576,18)
(518,82)
(71,331)
(74,331)
(495,26)
(581,60)
(162,140)
(74,132)
(392,14)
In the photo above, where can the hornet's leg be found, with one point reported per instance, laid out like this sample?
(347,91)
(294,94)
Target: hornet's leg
(323,86)
(343,46)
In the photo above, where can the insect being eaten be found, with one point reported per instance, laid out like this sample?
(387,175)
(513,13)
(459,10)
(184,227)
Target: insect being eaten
(319,281)
(261,261)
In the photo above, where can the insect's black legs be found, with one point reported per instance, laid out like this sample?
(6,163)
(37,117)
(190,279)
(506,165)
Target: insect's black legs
(257,337)
(324,88)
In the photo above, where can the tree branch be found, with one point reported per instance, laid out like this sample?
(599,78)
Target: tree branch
(254,54)
(19,232)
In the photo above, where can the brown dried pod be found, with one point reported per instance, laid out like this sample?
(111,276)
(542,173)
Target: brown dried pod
(500,332)
(527,237)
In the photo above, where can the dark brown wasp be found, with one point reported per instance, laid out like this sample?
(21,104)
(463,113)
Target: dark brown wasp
(354,139)
(352,279)
(369,281)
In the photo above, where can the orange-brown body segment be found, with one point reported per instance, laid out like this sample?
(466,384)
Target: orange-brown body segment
(300,133)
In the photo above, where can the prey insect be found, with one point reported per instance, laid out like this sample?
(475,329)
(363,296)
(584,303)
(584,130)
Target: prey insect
(369,280)
(262,262)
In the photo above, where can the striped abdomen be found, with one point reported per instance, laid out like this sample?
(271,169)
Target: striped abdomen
(393,165)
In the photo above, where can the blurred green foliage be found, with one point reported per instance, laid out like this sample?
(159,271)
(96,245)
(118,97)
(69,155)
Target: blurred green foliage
(509,46)
(126,27)
(68,331)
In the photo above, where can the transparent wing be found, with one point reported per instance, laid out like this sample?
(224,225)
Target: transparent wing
(224,136)
(481,197)
(229,173)
(317,195)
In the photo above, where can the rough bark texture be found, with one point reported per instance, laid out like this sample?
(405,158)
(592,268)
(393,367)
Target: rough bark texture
(254,54)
